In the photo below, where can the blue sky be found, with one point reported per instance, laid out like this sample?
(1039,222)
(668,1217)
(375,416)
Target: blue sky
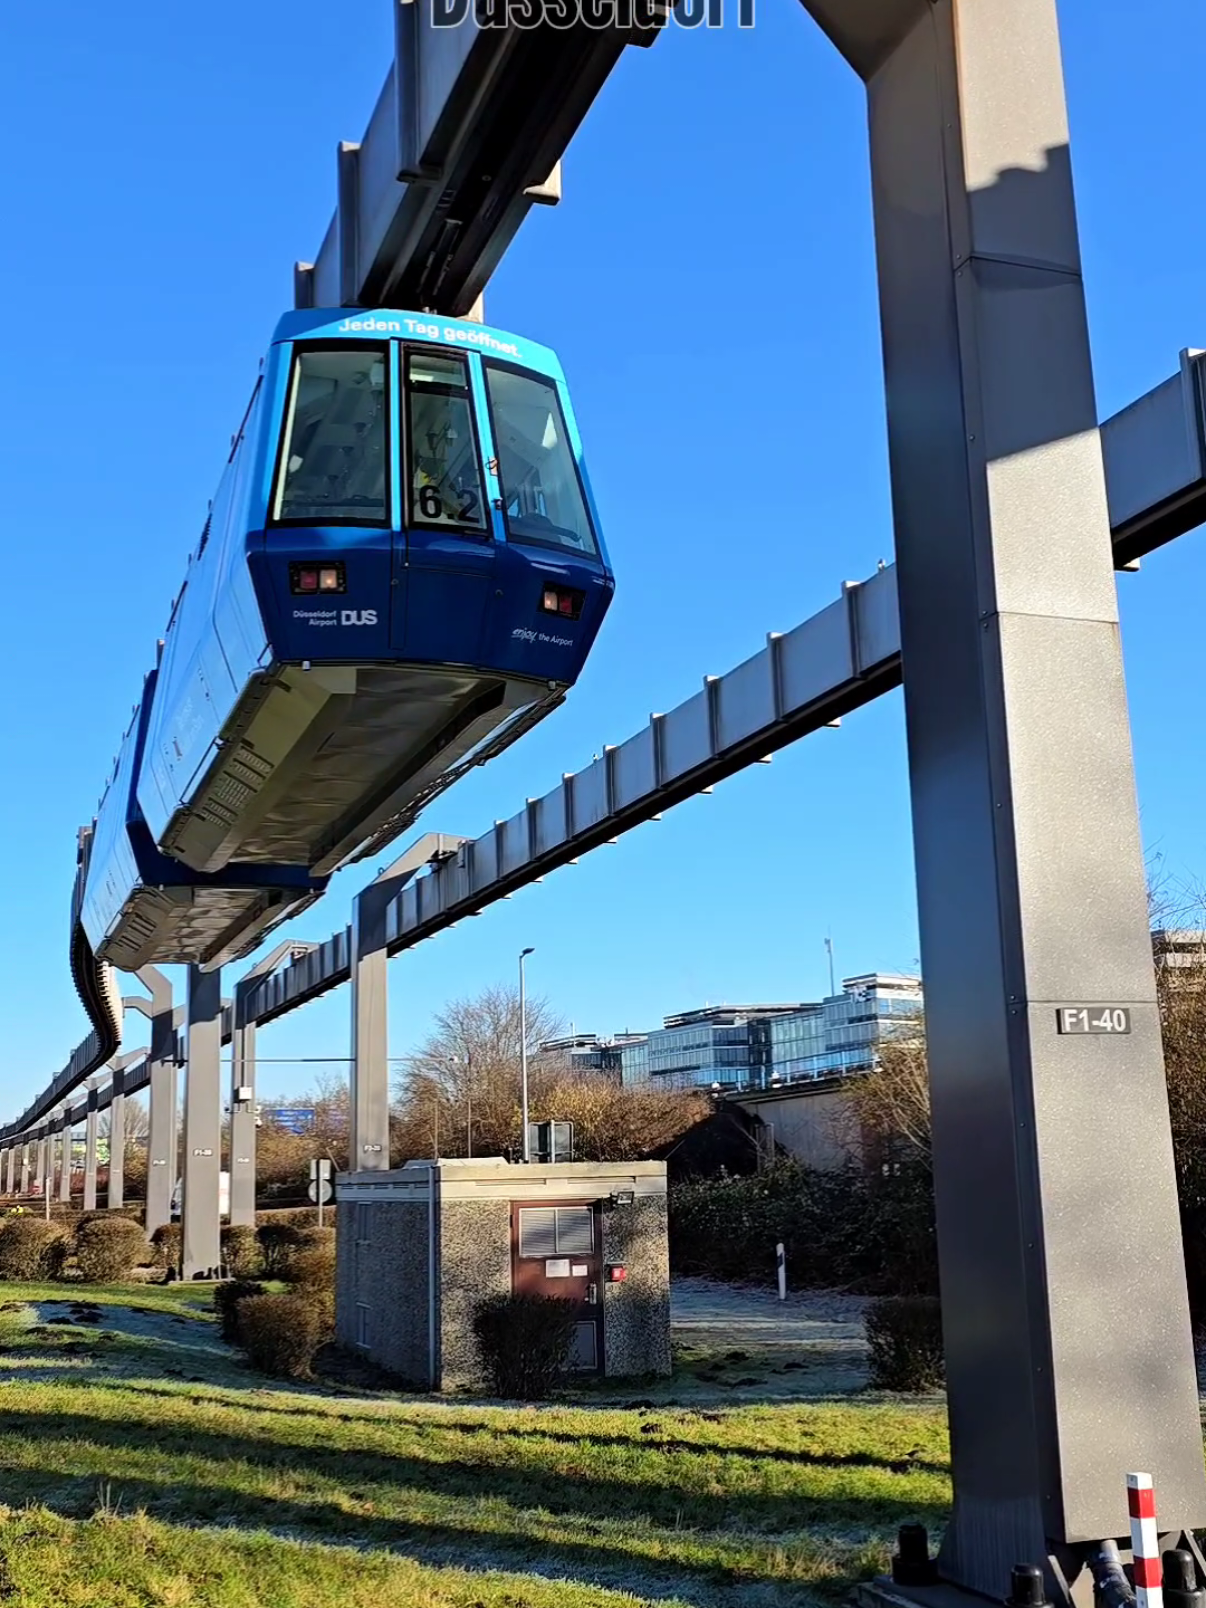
(708,282)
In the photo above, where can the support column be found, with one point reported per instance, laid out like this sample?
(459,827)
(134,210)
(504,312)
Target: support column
(39,1163)
(162,1131)
(1069,1355)
(368,1106)
(116,1195)
(368,1140)
(10,1163)
(201,1202)
(91,1123)
(25,1166)
(52,1154)
(242,1118)
(65,1149)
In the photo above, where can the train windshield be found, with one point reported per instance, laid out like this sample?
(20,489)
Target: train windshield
(334,460)
(445,468)
(542,494)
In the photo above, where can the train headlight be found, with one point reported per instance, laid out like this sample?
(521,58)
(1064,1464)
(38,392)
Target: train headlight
(306,579)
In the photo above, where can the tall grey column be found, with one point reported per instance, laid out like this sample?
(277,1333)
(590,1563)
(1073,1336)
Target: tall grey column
(116,1195)
(66,1158)
(242,1118)
(162,1129)
(52,1152)
(1067,1331)
(39,1163)
(201,1202)
(25,1166)
(368,1107)
(91,1123)
(10,1169)
(368,1141)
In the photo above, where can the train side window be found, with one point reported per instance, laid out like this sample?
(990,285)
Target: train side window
(334,458)
(442,451)
(542,493)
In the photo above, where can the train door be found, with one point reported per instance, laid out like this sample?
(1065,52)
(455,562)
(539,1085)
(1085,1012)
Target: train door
(445,563)
(557,1250)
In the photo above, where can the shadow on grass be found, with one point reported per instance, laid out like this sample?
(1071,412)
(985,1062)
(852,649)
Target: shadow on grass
(907,1464)
(554,1489)
(664,1443)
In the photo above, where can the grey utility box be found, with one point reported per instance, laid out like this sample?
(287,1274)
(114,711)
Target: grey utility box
(422,1245)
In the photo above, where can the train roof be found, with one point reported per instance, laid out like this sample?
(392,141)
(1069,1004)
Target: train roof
(353,323)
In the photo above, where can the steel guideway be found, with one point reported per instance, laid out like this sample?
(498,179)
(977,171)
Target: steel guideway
(466,136)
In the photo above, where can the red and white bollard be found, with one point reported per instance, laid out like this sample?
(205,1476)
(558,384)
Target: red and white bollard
(1145,1543)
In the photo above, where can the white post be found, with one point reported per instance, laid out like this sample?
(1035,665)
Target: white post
(781,1267)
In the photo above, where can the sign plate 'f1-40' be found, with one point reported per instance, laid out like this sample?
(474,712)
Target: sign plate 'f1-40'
(1093,1019)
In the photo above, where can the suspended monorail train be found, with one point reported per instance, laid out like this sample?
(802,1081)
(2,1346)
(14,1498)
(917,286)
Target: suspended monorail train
(401,572)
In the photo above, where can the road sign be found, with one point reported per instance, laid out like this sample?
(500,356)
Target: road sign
(551,1141)
(293,1119)
(322,1183)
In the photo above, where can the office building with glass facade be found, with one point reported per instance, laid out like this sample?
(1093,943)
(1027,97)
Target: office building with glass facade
(587,1052)
(764,1046)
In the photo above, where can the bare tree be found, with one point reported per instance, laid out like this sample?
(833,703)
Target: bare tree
(137,1122)
(463,1087)
(890,1105)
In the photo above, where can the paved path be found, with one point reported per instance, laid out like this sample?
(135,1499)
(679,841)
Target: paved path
(742,1341)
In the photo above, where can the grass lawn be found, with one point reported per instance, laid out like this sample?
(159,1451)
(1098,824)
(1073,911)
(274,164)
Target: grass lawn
(140,1463)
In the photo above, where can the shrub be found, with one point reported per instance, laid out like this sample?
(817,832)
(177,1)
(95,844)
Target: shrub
(525,1342)
(168,1240)
(226,1305)
(842,1227)
(241,1251)
(108,1249)
(277,1240)
(31,1248)
(904,1333)
(280,1333)
(132,1214)
(311,1274)
(299,1253)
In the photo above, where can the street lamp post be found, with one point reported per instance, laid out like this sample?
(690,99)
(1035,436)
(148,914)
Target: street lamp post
(469,1104)
(523,1053)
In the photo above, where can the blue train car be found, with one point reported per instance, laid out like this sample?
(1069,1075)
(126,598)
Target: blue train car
(137,900)
(402,571)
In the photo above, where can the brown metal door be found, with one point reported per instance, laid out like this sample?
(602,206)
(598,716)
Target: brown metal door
(557,1250)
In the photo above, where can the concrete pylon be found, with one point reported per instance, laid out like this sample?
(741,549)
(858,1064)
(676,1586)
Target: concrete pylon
(201,1202)
(1053,1167)
(162,1134)
(368,1140)
(116,1194)
(65,1150)
(242,1122)
(91,1126)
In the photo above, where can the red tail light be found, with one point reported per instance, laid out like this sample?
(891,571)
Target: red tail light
(562,601)
(306,579)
